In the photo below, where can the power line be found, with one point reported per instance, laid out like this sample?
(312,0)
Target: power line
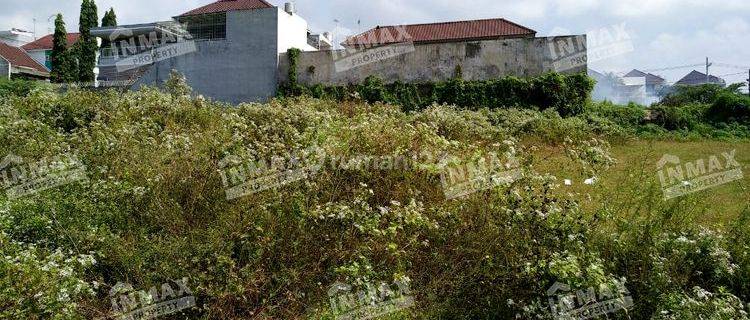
(667,68)
(732,66)
(732,74)
(716,64)
(676,67)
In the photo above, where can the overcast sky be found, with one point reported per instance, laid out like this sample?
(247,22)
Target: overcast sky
(664,33)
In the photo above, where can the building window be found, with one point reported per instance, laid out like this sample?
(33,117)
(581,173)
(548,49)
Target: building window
(48,59)
(206,26)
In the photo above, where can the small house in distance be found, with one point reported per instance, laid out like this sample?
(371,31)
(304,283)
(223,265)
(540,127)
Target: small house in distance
(41,49)
(620,90)
(654,84)
(696,78)
(15,63)
(234,54)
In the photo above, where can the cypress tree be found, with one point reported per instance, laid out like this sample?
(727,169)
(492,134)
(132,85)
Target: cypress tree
(87,46)
(63,63)
(109,20)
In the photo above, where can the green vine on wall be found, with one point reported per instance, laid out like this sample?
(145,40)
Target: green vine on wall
(292,86)
(293,56)
(567,94)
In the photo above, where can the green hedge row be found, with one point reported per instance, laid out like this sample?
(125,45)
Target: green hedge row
(16,87)
(689,106)
(567,94)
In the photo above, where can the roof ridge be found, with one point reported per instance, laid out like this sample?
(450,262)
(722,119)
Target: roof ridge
(471,29)
(456,21)
(38,45)
(219,6)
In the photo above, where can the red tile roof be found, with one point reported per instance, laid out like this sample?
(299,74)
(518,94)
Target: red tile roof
(229,5)
(45,43)
(19,58)
(442,32)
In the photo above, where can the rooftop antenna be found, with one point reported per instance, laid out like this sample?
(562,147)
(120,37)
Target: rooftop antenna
(49,30)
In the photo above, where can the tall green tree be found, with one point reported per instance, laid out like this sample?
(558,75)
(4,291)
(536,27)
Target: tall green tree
(86,47)
(109,20)
(63,62)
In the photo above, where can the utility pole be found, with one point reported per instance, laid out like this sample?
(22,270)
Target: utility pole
(748,82)
(707,77)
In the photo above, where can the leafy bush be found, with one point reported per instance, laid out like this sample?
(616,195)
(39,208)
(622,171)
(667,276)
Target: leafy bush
(16,87)
(630,115)
(726,104)
(682,95)
(702,304)
(155,208)
(730,107)
(36,283)
(567,94)
(680,117)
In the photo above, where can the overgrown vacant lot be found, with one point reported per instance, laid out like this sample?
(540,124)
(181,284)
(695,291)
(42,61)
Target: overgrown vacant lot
(635,177)
(154,208)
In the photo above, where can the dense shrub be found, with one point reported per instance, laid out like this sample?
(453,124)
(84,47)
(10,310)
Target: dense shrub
(682,95)
(16,87)
(155,208)
(625,115)
(680,117)
(727,105)
(566,94)
(730,107)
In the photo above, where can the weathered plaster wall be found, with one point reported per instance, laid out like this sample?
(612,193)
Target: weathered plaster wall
(480,60)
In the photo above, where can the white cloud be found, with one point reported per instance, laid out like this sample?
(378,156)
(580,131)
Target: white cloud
(576,7)
(646,8)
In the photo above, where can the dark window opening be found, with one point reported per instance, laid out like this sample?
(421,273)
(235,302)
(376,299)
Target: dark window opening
(206,26)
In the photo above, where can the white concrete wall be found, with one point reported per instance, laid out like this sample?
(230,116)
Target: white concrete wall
(292,31)
(39,56)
